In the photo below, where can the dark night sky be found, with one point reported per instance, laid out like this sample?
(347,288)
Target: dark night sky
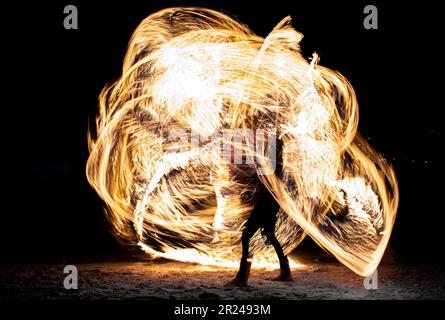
(54,76)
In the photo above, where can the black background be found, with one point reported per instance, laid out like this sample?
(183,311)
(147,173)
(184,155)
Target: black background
(52,78)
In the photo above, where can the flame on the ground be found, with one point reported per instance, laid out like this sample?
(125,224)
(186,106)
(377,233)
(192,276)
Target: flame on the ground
(192,73)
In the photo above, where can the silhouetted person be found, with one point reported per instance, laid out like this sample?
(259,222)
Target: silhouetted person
(264,217)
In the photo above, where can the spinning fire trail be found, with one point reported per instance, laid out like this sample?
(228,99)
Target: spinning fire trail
(192,80)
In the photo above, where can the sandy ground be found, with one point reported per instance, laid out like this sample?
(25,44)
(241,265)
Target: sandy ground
(174,280)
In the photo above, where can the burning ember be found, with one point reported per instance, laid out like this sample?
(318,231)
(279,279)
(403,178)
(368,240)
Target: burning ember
(201,97)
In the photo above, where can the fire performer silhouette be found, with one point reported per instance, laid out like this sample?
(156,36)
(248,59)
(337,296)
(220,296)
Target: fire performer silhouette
(264,217)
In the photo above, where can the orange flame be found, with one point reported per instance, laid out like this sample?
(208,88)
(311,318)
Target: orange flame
(192,73)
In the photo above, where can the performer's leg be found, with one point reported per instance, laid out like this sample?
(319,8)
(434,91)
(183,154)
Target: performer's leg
(285,273)
(246,258)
